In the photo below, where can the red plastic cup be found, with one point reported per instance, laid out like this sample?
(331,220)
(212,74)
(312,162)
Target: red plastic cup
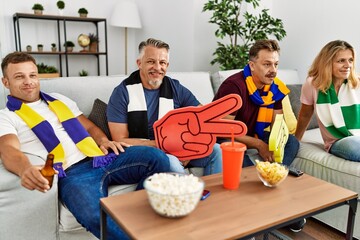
(232,158)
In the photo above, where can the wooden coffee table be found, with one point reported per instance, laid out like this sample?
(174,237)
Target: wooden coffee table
(251,210)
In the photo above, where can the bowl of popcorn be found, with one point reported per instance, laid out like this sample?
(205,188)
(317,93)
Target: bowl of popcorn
(271,173)
(173,194)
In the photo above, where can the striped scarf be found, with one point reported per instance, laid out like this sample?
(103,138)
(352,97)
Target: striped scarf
(137,108)
(340,113)
(46,134)
(271,94)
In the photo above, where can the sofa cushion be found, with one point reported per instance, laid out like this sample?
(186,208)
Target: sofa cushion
(22,210)
(98,116)
(295,92)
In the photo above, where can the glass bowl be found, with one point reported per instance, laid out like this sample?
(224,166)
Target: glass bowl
(271,174)
(173,194)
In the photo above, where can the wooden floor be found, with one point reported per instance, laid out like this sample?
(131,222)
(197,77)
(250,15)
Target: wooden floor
(313,230)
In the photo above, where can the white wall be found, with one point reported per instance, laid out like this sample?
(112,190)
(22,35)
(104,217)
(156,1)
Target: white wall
(310,24)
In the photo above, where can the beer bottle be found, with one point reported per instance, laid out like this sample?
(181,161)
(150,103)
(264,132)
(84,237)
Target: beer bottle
(48,171)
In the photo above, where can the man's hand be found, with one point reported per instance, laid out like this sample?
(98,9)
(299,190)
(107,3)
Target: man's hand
(113,145)
(32,179)
(263,149)
(190,132)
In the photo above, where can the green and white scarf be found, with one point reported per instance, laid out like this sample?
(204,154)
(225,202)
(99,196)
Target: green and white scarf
(340,113)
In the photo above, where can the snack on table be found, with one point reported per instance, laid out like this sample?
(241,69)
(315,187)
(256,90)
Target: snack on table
(271,173)
(173,194)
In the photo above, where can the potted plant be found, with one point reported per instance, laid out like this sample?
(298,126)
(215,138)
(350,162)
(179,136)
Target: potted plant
(38,9)
(94,42)
(248,28)
(83,12)
(83,73)
(53,47)
(28,48)
(69,46)
(60,5)
(46,71)
(40,47)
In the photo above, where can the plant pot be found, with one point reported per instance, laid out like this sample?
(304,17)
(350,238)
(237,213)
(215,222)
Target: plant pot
(53,49)
(40,49)
(69,49)
(84,15)
(38,12)
(93,47)
(61,12)
(28,48)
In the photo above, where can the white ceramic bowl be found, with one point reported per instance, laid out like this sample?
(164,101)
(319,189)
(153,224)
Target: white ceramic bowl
(271,174)
(173,194)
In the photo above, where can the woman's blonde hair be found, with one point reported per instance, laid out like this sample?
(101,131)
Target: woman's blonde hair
(321,68)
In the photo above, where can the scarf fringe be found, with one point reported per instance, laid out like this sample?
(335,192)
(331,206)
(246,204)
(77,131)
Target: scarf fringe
(101,161)
(58,167)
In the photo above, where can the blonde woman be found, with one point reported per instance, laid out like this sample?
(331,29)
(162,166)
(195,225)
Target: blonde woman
(332,91)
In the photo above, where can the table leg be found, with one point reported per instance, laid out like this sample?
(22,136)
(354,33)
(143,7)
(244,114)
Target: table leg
(103,227)
(351,218)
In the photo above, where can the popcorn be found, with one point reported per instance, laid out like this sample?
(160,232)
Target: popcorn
(173,195)
(271,173)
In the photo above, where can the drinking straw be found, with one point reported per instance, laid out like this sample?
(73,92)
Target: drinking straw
(232,136)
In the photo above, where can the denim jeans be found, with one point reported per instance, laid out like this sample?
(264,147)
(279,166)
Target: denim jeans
(290,152)
(82,188)
(211,164)
(347,148)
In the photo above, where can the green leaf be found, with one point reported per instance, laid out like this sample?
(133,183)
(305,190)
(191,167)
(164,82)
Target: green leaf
(240,31)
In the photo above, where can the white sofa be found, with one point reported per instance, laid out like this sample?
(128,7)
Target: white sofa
(32,215)
(57,222)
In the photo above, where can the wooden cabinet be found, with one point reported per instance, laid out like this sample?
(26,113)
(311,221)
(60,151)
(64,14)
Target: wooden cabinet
(63,23)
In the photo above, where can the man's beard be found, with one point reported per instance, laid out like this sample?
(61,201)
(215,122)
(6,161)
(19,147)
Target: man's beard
(155,84)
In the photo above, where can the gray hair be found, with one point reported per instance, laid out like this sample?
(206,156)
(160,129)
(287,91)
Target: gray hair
(152,42)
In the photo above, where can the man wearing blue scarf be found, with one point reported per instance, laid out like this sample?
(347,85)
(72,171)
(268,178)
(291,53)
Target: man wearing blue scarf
(261,93)
(74,140)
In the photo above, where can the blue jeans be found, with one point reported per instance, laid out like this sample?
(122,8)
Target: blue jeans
(290,152)
(347,148)
(82,188)
(211,164)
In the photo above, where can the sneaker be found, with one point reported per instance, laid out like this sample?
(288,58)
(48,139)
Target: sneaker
(298,226)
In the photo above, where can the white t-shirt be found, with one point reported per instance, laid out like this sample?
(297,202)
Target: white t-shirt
(309,95)
(11,123)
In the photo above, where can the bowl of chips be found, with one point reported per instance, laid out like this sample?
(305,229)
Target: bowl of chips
(271,173)
(173,194)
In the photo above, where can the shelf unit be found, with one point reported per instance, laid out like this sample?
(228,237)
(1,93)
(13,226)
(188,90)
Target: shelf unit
(62,37)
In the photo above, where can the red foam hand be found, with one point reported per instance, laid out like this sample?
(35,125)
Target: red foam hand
(190,132)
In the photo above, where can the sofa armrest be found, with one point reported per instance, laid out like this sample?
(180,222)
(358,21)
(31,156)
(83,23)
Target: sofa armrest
(26,214)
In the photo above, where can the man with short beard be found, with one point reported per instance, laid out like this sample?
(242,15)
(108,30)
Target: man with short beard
(261,93)
(147,95)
